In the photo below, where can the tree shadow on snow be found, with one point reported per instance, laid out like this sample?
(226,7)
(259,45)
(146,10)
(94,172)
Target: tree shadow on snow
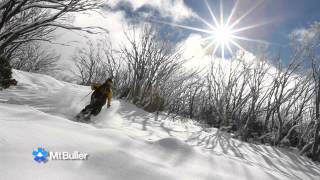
(269,158)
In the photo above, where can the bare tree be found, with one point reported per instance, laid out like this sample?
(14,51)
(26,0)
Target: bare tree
(32,57)
(113,66)
(90,67)
(151,61)
(28,20)
(312,49)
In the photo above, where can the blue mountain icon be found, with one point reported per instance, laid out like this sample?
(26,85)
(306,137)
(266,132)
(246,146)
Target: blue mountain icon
(40,155)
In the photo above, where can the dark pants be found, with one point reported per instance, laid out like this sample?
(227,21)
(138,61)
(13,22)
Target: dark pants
(96,103)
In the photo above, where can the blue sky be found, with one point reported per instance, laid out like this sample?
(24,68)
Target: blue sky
(286,15)
(283,17)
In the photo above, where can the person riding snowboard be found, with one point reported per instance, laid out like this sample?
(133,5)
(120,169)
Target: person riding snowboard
(101,93)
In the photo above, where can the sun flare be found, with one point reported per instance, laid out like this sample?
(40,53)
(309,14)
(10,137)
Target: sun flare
(223,33)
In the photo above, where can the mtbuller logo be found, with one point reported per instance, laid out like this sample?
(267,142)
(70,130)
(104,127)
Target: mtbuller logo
(41,155)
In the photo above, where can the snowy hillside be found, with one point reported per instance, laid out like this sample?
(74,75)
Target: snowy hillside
(124,142)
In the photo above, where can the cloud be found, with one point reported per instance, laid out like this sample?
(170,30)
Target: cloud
(194,52)
(177,10)
(200,58)
(306,35)
(114,22)
(303,34)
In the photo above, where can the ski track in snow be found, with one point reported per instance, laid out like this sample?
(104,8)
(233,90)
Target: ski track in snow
(124,142)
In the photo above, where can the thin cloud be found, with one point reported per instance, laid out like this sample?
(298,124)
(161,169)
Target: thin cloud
(306,35)
(177,10)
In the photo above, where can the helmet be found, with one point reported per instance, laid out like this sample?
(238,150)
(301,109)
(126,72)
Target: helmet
(109,80)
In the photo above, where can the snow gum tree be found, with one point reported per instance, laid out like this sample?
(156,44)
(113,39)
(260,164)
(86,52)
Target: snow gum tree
(23,21)
(27,20)
(311,45)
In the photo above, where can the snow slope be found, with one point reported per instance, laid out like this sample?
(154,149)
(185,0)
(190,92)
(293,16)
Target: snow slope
(124,142)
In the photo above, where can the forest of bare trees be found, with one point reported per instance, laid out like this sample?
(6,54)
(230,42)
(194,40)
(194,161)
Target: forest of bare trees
(22,21)
(32,57)
(24,24)
(262,100)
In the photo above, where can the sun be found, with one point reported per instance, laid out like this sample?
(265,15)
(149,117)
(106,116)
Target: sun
(223,34)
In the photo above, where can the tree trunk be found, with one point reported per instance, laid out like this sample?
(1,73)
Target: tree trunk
(316,142)
(316,135)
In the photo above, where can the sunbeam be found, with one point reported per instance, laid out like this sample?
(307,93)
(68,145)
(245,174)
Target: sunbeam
(185,27)
(223,32)
(237,45)
(207,38)
(246,14)
(252,40)
(215,49)
(251,27)
(221,12)
(209,45)
(232,12)
(229,48)
(211,13)
(205,22)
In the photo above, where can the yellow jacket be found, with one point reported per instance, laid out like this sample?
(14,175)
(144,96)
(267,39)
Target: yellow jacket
(108,93)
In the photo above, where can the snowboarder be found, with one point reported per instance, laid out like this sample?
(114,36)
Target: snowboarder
(101,94)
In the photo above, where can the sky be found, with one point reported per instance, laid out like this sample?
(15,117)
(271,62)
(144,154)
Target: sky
(277,18)
(282,17)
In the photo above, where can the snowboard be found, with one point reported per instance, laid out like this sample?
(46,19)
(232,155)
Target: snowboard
(83,117)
